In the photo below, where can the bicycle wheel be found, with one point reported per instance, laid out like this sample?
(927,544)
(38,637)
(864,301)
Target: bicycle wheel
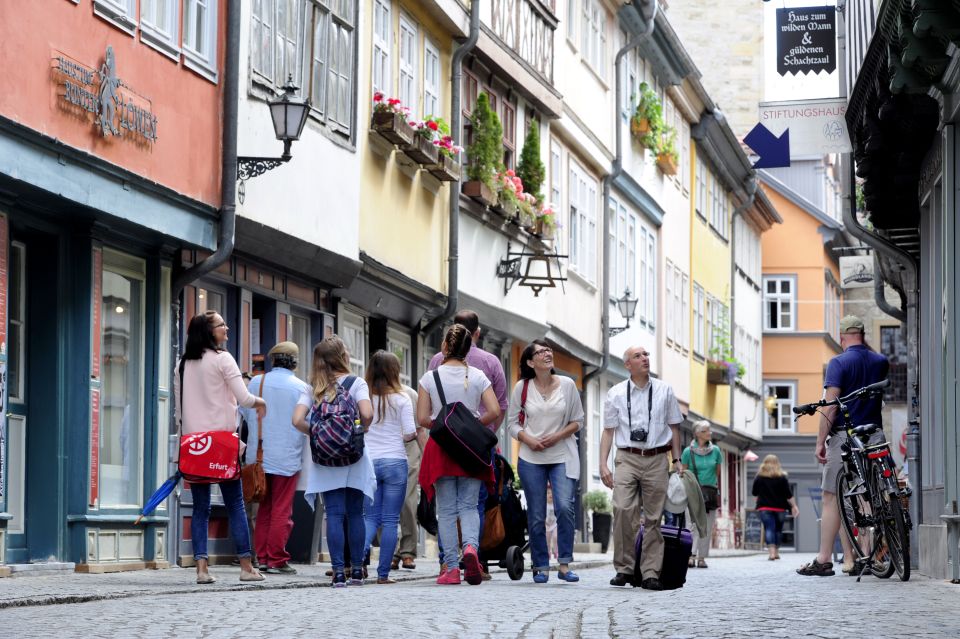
(881,566)
(894,528)
(851,516)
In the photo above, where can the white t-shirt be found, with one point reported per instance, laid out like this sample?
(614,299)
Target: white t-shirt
(384,439)
(464,385)
(358,391)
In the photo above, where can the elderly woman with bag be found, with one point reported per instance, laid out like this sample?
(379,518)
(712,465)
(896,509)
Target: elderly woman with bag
(457,489)
(545,413)
(207,390)
(704,459)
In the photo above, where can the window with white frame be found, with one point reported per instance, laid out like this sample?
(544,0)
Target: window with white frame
(593,36)
(747,250)
(747,351)
(781,420)
(122,13)
(200,36)
(702,178)
(409,32)
(399,344)
(669,309)
(684,133)
(275,38)
(623,249)
(572,21)
(779,303)
(831,307)
(710,313)
(676,302)
(382,37)
(431,78)
(720,209)
(354,335)
(262,20)
(647,302)
(159,24)
(685,310)
(330,34)
(699,318)
(583,222)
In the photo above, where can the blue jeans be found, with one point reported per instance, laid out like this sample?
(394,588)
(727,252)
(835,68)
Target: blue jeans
(457,497)
(340,504)
(391,491)
(200,520)
(772,526)
(534,478)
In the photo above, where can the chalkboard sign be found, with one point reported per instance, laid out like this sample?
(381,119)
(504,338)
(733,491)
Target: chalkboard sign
(753,530)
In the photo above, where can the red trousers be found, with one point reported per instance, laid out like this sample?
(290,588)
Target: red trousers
(274,523)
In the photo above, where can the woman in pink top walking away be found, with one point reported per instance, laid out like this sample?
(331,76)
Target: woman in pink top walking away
(207,389)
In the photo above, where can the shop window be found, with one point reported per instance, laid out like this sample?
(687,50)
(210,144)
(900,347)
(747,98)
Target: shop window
(17,319)
(122,368)
(300,335)
(163,377)
(208,300)
(894,346)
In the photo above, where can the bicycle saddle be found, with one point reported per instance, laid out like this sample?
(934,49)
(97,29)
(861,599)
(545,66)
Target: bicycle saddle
(866,429)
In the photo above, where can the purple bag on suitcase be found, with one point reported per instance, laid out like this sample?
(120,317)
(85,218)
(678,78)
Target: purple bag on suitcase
(677,548)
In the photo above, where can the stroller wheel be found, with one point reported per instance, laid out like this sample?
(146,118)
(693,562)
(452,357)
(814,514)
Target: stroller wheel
(514,562)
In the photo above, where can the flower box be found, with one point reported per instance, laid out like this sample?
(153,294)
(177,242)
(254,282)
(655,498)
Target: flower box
(526,220)
(667,164)
(479,191)
(393,127)
(446,169)
(639,126)
(506,208)
(421,150)
(720,374)
(543,230)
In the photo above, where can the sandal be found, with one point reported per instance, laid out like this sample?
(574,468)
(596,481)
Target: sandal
(816,569)
(701,563)
(692,563)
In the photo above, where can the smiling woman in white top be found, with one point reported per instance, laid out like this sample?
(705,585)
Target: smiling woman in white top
(545,413)
(392,426)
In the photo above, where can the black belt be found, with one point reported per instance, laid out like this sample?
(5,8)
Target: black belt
(648,452)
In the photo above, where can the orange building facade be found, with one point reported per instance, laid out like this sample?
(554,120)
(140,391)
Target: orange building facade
(110,167)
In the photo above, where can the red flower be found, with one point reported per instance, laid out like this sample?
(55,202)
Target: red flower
(433,126)
(393,101)
(377,97)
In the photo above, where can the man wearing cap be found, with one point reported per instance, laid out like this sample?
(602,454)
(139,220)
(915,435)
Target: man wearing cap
(857,366)
(282,450)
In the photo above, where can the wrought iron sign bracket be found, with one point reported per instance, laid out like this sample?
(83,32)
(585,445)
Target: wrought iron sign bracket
(616,330)
(509,270)
(249,167)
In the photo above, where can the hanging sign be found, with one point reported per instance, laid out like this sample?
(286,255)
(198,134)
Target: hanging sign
(806,40)
(817,127)
(116,109)
(856,271)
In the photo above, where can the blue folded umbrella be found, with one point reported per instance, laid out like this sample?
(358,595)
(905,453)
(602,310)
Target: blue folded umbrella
(159,495)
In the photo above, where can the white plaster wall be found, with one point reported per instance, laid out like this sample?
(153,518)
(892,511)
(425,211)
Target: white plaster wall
(749,413)
(315,196)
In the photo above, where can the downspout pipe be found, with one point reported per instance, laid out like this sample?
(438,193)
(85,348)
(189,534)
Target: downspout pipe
(912,289)
(652,6)
(225,242)
(456,126)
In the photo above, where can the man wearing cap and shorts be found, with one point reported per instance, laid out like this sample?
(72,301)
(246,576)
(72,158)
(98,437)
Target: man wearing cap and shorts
(282,451)
(858,366)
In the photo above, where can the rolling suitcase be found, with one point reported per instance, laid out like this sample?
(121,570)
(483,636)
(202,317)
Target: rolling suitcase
(677,548)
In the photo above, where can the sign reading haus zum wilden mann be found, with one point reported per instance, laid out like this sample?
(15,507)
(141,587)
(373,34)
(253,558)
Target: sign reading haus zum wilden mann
(806,40)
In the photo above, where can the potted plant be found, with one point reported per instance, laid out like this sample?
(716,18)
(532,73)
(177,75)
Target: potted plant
(485,153)
(667,156)
(509,190)
(531,170)
(390,120)
(546,222)
(598,502)
(447,168)
(527,212)
(722,367)
(421,149)
(647,118)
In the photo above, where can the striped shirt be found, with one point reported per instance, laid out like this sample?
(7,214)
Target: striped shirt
(665,411)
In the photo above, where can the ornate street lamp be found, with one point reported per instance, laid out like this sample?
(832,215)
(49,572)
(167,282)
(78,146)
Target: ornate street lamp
(627,307)
(289,114)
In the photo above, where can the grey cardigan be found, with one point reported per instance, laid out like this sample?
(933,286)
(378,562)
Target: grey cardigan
(573,412)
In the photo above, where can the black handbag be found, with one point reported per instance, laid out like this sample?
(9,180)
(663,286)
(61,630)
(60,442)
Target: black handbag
(461,435)
(427,514)
(711,494)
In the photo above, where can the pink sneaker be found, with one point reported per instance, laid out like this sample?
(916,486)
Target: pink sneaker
(473,573)
(449,578)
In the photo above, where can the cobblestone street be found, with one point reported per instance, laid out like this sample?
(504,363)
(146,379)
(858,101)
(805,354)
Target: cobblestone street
(738,597)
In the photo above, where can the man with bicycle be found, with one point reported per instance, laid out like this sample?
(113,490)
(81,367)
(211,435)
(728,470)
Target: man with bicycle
(858,366)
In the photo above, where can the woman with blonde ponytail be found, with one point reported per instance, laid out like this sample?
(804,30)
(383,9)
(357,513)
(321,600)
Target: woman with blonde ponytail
(457,491)
(774,497)
(344,488)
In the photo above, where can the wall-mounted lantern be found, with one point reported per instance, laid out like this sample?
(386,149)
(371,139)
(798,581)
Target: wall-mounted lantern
(627,307)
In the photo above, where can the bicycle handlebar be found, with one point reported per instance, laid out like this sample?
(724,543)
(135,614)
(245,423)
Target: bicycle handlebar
(867,391)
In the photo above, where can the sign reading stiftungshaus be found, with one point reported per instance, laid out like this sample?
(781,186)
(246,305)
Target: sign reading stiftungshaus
(115,107)
(806,40)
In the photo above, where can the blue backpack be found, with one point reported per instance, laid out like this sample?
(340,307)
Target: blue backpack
(335,438)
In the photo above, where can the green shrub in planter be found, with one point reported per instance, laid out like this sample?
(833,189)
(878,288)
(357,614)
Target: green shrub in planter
(597,501)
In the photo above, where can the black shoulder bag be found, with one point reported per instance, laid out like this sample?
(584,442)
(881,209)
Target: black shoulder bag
(711,496)
(461,435)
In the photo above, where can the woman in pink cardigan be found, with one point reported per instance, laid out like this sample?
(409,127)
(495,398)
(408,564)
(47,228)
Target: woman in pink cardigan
(206,399)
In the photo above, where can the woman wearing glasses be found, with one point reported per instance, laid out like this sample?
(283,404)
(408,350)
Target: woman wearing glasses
(545,412)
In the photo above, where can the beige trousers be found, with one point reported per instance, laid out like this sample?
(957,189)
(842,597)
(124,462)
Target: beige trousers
(638,483)
(409,532)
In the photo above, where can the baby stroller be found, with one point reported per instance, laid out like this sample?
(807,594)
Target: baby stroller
(509,552)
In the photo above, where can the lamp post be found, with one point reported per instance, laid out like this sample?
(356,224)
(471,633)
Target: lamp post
(289,114)
(627,307)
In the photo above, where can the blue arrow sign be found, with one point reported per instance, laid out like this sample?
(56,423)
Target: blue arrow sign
(773,151)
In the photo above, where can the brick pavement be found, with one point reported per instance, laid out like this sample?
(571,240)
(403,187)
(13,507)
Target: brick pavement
(743,596)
